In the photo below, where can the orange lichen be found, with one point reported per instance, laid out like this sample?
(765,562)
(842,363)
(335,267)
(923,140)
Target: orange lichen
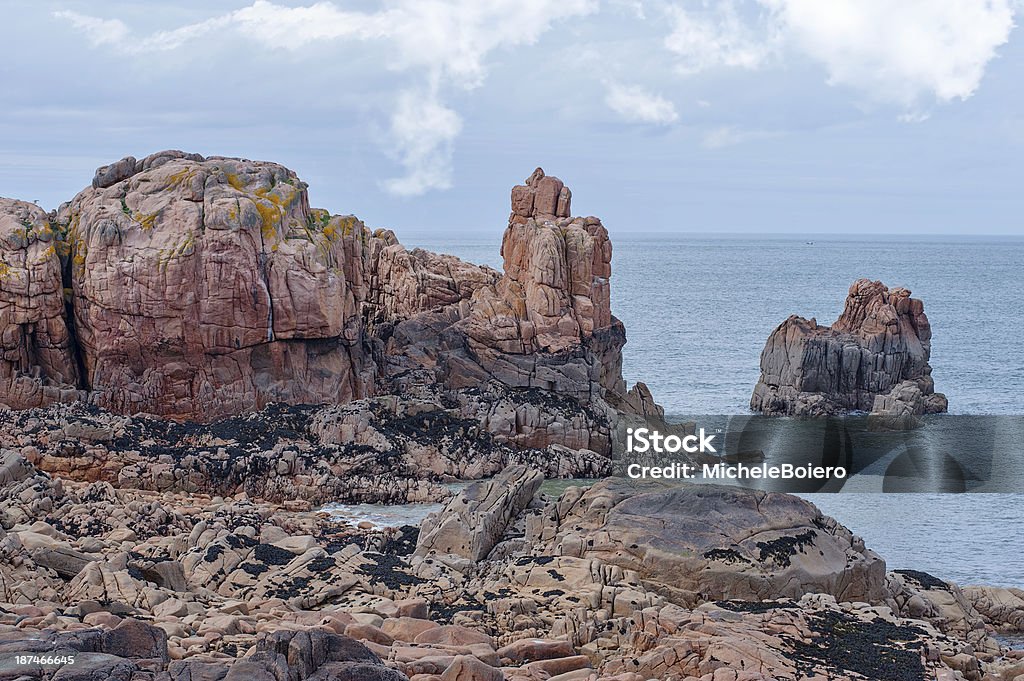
(180,177)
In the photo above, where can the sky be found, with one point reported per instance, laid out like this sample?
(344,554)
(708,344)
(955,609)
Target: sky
(736,116)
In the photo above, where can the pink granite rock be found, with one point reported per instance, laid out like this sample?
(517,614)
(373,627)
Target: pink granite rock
(874,358)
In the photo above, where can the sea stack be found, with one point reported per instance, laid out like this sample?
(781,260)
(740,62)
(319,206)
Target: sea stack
(874,358)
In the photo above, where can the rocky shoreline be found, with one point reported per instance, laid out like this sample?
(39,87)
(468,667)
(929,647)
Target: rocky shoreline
(606,582)
(193,362)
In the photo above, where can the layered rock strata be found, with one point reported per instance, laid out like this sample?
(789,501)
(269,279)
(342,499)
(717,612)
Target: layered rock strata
(198,288)
(873,359)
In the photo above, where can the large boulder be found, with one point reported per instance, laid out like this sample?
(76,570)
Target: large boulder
(205,287)
(697,542)
(874,358)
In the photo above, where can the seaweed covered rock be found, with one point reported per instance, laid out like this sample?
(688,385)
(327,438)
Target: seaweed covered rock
(874,358)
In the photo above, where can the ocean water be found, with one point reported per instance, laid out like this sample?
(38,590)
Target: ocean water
(698,310)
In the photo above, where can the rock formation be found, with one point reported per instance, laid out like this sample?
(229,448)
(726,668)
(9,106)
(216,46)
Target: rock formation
(200,288)
(874,358)
(475,520)
(37,352)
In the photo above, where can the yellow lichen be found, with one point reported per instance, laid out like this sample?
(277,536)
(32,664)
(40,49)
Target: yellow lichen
(5,269)
(235,181)
(271,216)
(146,220)
(181,177)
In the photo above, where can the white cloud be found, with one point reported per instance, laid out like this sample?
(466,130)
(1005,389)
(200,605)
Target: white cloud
(637,105)
(729,136)
(97,31)
(717,36)
(423,131)
(911,52)
(445,42)
(900,51)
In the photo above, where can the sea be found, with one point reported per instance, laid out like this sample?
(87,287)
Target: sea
(698,309)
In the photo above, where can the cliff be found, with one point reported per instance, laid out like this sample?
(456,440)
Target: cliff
(874,358)
(198,288)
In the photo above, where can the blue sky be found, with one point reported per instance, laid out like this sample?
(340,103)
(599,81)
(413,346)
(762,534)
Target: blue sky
(768,116)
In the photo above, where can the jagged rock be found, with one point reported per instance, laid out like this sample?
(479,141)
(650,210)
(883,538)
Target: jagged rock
(198,288)
(548,321)
(874,358)
(473,522)
(706,542)
(540,196)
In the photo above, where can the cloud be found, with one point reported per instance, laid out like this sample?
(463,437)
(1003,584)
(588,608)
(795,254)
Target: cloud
(729,136)
(443,43)
(912,52)
(637,105)
(98,32)
(716,37)
(900,51)
(423,131)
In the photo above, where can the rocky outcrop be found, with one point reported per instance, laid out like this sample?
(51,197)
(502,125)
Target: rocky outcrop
(208,287)
(37,353)
(704,542)
(916,594)
(198,288)
(547,323)
(874,358)
(1001,607)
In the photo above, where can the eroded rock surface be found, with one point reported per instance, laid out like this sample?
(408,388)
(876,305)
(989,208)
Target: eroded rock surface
(474,521)
(37,353)
(201,288)
(874,358)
